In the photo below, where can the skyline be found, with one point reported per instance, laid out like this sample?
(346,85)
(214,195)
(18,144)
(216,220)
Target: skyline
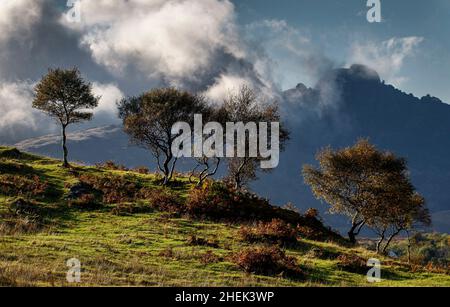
(212,47)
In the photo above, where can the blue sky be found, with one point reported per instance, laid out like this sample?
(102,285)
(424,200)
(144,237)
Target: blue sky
(212,47)
(334,25)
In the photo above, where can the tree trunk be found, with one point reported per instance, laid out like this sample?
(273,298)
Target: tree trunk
(390,239)
(237,175)
(205,174)
(355,230)
(409,247)
(65,151)
(168,169)
(382,237)
(352,237)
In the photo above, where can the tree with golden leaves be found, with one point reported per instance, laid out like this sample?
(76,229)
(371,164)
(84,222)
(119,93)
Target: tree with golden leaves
(370,186)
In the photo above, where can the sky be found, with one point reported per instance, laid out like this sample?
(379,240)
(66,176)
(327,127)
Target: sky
(125,47)
(335,26)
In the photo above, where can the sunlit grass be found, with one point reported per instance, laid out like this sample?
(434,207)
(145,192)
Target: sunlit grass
(132,250)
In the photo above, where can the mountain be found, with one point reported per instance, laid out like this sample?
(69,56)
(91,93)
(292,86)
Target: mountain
(346,104)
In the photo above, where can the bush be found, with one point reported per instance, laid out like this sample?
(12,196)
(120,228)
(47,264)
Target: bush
(8,166)
(320,253)
(217,201)
(123,209)
(312,213)
(114,189)
(268,261)
(19,225)
(23,217)
(85,201)
(352,263)
(209,257)
(195,241)
(276,231)
(111,165)
(131,208)
(22,207)
(142,170)
(165,201)
(15,185)
(11,153)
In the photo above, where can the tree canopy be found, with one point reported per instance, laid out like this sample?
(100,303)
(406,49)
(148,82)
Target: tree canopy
(370,186)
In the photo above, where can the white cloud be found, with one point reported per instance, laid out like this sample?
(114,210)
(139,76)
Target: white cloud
(17,117)
(109,94)
(224,85)
(295,57)
(17,17)
(387,57)
(176,39)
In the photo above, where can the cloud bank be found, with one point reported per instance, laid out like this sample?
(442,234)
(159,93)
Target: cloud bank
(127,47)
(387,57)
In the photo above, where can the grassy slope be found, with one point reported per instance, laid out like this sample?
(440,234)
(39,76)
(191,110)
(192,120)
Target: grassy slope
(125,250)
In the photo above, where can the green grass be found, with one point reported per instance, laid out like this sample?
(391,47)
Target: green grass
(151,249)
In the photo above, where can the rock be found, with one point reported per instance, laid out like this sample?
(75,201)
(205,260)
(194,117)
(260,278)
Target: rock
(392,254)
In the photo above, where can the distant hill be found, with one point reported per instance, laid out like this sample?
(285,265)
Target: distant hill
(344,105)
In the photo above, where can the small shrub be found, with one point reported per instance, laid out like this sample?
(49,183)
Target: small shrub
(165,201)
(291,207)
(320,253)
(309,233)
(11,153)
(114,189)
(23,217)
(85,201)
(311,213)
(8,166)
(167,253)
(436,268)
(268,261)
(15,185)
(25,208)
(195,241)
(20,225)
(276,231)
(352,263)
(209,257)
(217,201)
(111,165)
(142,170)
(123,209)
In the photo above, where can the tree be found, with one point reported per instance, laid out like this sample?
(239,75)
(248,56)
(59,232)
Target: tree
(65,96)
(400,208)
(244,107)
(370,186)
(208,164)
(149,118)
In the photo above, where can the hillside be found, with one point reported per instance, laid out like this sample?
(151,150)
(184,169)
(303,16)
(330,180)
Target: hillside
(345,105)
(126,230)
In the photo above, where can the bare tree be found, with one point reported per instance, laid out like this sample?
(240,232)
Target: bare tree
(65,96)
